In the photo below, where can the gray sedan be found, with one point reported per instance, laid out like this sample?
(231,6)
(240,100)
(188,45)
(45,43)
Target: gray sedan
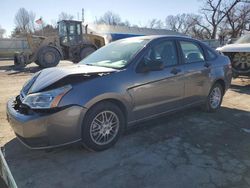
(119,85)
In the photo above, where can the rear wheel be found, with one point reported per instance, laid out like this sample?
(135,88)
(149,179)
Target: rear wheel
(48,57)
(102,127)
(86,51)
(241,62)
(214,98)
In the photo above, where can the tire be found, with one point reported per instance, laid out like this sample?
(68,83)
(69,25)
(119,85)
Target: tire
(241,62)
(86,51)
(16,60)
(98,136)
(48,57)
(19,61)
(214,99)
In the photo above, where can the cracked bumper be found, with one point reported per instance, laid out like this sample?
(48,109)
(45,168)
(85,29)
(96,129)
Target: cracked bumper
(41,131)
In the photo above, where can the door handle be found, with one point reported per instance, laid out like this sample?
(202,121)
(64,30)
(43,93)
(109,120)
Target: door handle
(175,71)
(207,64)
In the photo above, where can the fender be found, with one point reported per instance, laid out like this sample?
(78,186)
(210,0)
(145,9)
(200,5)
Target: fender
(126,101)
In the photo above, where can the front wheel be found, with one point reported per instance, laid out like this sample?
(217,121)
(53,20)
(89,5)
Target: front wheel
(48,57)
(214,98)
(102,127)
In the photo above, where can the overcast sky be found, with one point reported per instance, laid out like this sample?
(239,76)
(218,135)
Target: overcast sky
(135,11)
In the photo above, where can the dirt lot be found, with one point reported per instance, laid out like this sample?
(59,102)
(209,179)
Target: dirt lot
(188,149)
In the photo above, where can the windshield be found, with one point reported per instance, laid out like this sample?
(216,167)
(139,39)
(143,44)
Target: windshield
(116,54)
(62,29)
(243,39)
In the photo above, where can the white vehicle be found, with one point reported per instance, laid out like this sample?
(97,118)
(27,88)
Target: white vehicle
(239,54)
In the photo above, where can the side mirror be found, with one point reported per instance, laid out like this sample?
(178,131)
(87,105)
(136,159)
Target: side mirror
(151,65)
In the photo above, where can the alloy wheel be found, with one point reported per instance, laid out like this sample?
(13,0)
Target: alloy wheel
(104,127)
(215,97)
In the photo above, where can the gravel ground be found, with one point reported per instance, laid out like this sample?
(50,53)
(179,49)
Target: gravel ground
(190,148)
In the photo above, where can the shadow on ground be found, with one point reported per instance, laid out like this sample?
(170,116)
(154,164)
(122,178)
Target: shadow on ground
(242,85)
(211,147)
(12,69)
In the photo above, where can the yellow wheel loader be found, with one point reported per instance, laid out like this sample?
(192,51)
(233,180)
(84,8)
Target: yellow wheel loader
(69,44)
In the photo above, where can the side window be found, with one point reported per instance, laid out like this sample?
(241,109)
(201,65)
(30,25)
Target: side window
(72,29)
(62,30)
(165,52)
(192,52)
(78,29)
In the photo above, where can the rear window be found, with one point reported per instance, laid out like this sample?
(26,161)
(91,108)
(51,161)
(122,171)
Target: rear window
(192,52)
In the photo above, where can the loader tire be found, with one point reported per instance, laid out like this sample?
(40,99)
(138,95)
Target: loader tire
(16,60)
(86,51)
(19,61)
(48,57)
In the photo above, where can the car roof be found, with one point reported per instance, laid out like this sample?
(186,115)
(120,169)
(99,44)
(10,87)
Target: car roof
(151,37)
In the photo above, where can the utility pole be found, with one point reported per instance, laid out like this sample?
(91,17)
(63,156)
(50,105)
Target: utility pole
(83,15)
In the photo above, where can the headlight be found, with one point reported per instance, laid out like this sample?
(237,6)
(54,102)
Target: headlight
(47,99)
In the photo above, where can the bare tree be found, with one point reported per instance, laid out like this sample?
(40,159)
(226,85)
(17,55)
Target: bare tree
(47,30)
(24,21)
(214,12)
(155,24)
(32,17)
(65,16)
(188,24)
(182,23)
(199,33)
(109,18)
(126,23)
(2,32)
(237,20)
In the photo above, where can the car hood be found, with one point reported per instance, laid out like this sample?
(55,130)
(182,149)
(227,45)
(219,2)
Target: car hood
(49,76)
(235,48)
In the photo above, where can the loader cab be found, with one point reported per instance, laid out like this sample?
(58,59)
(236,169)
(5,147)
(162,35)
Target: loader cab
(70,33)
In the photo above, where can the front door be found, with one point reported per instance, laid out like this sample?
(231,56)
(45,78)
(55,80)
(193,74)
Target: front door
(156,92)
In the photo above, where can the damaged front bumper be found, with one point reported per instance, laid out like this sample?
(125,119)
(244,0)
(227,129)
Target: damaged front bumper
(46,129)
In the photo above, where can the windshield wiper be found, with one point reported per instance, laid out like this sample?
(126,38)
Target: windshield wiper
(88,64)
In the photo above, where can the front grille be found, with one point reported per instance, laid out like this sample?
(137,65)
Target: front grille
(21,108)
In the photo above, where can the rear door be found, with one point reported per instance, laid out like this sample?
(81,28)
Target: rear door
(197,71)
(156,92)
